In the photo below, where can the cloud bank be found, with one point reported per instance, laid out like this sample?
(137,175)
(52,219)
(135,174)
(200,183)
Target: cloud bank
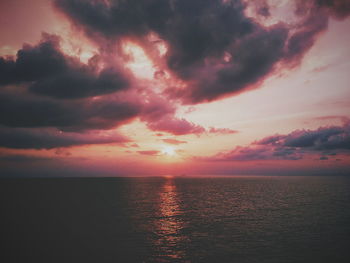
(213,46)
(23,138)
(212,49)
(325,141)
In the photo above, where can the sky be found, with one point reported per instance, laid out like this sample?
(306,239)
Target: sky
(174,87)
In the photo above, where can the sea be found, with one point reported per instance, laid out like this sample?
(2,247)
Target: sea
(238,219)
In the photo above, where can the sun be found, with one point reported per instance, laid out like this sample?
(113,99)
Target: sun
(168,150)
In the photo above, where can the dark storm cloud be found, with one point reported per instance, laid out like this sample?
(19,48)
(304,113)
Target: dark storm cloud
(339,9)
(212,43)
(212,46)
(256,153)
(327,141)
(23,110)
(25,138)
(249,60)
(324,138)
(195,30)
(18,109)
(39,85)
(264,11)
(47,71)
(18,158)
(258,7)
(34,62)
(78,84)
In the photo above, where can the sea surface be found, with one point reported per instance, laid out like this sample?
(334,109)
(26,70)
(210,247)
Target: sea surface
(214,219)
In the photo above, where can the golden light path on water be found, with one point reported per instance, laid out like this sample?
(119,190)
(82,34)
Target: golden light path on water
(170,222)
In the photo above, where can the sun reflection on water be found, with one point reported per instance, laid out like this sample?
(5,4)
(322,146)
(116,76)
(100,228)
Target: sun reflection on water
(169,223)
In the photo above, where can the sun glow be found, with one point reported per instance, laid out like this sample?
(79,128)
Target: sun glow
(169,151)
(139,63)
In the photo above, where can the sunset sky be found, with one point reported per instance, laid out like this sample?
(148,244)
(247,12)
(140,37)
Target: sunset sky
(157,87)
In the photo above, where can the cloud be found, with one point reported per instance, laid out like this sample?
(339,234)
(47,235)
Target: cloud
(251,59)
(339,9)
(254,153)
(43,92)
(213,49)
(18,158)
(212,45)
(44,88)
(173,141)
(159,115)
(327,141)
(151,153)
(175,126)
(22,138)
(62,152)
(23,110)
(324,138)
(47,71)
(314,18)
(221,130)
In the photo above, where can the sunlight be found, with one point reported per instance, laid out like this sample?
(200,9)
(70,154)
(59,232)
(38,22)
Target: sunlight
(168,150)
(139,63)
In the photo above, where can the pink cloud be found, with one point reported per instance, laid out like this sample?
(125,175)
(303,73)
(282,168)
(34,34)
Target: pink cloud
(175,126)
(159,115)
(173,141)
(151,153)
(222,130)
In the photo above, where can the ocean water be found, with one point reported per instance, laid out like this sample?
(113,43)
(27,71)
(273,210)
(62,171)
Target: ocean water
(223,219)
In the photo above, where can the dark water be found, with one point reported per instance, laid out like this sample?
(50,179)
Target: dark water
(240,219)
